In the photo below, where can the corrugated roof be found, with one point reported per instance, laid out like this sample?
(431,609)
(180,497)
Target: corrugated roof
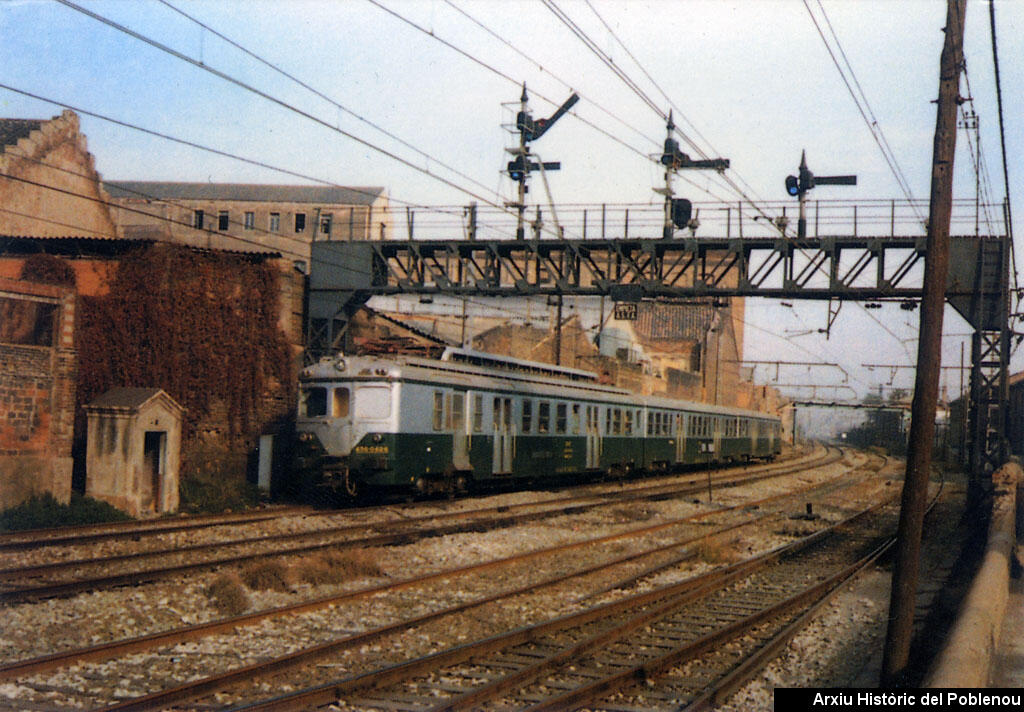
(254,192)
(13,129)
(125,397)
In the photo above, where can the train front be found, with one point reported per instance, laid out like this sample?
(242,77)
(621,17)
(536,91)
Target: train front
(345,426)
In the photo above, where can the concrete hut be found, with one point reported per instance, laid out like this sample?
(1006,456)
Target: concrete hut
(134,446)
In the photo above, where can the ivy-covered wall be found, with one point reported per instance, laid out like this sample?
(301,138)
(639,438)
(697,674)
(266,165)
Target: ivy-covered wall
(202,326)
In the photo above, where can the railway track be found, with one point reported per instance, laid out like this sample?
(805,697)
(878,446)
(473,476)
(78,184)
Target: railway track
(39,581)
(135,530)
(645,562)
(575,659)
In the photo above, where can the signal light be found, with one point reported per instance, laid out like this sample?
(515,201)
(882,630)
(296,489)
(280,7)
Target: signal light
(681,211)
(792,185)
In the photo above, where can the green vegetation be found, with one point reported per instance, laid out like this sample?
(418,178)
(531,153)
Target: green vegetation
(44,511)
(213,480)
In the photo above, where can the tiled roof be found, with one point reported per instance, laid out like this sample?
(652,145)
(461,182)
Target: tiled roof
(124,397)
(13,129)
(254,192)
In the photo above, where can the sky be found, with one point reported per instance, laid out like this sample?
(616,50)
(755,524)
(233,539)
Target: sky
(747,80)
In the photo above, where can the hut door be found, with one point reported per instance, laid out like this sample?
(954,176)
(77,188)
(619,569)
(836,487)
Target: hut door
(153,452)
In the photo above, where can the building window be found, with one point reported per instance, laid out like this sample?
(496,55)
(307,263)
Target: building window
(300,222)
(222,220)
(275,222)
(250,220)
(325,223)
(197,220)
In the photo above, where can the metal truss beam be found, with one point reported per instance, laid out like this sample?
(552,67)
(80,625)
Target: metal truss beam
(849,268)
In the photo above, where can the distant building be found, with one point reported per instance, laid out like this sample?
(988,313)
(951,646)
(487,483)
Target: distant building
(50,186)
(244,217)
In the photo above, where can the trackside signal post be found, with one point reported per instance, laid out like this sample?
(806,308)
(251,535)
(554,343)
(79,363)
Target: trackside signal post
(519,168)
(679,210)
(798,186)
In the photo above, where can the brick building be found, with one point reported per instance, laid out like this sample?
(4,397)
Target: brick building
(247,217)
(37,390)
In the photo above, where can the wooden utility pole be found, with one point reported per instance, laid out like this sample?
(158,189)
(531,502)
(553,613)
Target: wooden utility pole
(926,387)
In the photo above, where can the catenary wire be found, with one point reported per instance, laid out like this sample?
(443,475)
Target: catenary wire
(507,77)
(326,98)
(863,108)
(279,102)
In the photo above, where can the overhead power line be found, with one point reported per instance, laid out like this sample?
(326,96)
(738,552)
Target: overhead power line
(861,101)
(476,60)
(609,62)
(323,96)
(269,97)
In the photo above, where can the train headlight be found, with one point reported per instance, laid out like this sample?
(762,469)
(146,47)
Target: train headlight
(340,365)
(377,437)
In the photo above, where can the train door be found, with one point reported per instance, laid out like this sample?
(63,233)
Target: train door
(501,462)
(593,437)
(680,433)
(460,434)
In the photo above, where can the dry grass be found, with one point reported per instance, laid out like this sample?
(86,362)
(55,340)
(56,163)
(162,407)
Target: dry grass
(267,576)
(228,596)
(715,551)
(332,567)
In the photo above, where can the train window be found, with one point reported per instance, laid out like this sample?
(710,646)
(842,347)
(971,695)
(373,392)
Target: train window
(608,421)
(373,402)
(314,402)
(478,412)
(651,420)
(561,418)
(627,427)
(575,418)
(527,415)
(438,410)
(616,421)
(459,412)
(543,417)
(339,405)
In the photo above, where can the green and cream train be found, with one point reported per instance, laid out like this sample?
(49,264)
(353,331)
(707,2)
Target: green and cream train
(472,419)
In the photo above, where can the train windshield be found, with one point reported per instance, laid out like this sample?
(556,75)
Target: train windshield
(373,402)
(314,402)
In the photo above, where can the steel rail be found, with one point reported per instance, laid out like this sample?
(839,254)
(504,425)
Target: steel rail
(680,593)
(37,538)
(552,508)
(171,637)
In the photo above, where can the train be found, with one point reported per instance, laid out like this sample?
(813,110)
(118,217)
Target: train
(471,419)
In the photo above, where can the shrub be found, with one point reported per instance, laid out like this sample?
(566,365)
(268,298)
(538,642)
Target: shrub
(267,576)
(228,596)
(213,480)
(44,511)
(337,567)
